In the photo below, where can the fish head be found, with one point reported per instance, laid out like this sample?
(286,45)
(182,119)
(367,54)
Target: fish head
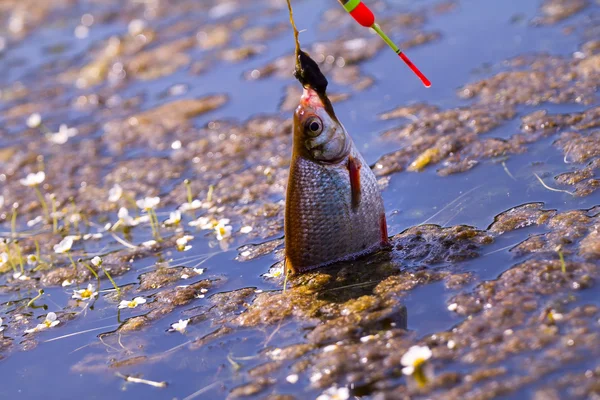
(318,135)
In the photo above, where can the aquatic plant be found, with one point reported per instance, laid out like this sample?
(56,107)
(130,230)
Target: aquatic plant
(64,247)
(33,180)
(180,326)
(148,204)
(133,303)
(182,243)
(85,294)
(50,322)
(414,361)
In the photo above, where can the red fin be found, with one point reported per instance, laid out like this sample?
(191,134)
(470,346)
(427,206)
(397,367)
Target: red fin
(384,232)
(354,170)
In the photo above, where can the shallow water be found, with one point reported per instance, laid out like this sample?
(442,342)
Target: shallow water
(476,39)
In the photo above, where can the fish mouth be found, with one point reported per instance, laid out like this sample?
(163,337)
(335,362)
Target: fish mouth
(310,98)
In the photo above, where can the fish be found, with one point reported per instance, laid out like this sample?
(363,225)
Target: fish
(333,209)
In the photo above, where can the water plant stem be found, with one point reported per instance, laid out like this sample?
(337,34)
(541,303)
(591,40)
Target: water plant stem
(20,257)
(118,289)
(54,217)
(30,302)
(42,201)
(13,223)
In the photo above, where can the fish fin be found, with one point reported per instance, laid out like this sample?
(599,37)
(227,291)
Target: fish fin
(354,170)
(385,240)
(288,268)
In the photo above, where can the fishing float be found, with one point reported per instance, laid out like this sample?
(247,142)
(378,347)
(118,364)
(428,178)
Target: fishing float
(365,17)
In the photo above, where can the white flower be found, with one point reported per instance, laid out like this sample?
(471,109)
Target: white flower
(96,261)
(115,193)
(335,393)
(136,26)
(34,120)
(148,203)
(223,230)
(293,378)
(194,205)
(50,322)
(96,235)
(35,221)
(67,282)
(414,358)
(174,218)
(63,134)
(85,294)
(20,276)
(274,272)
(180,326)
(3,258)
(75,218)
(182,243)
(203,223)
(126,219)
(33,179)
(245,229)
(64,245)
(133,303)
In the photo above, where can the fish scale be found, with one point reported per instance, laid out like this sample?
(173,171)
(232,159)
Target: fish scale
(321,225)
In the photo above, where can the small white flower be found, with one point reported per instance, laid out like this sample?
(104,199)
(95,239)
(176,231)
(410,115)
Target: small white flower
(96,235)
(203,223)
(35,221)
(148,203)
(414,358)
(223,230)
(180,326)
(85,294)
(3,258)
(182,243)
(63,134)
(64,245)
(75,218)
(174,218)
(136,26)
(67,282)
(115,193)
(293,378)
(20,276)
(50,322)
(125,218)
(34,120)
(194,205)
(335,393)
(133,303)
(274,272)
(96,261)
(33,179)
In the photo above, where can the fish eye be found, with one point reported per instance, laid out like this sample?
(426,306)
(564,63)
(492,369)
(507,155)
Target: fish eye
(314,126)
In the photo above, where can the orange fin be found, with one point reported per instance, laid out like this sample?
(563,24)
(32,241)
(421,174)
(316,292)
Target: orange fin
(385,241)
(288,268)
(354,170)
